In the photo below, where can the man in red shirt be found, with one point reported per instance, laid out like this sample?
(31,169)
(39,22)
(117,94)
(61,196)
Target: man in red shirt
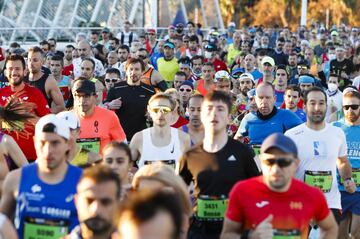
(15,72)
(212,56)
(275,205)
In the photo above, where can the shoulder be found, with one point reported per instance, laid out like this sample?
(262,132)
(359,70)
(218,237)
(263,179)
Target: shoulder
(297,130)
(306,190)
(147,88)
(247,185)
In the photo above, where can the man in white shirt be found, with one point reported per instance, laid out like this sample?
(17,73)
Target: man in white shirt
(126,37)
(322,149)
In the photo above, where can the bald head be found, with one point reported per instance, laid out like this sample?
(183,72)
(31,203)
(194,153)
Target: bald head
(249,62)
(84,49)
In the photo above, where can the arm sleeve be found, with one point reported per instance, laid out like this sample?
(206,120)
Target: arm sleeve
(184,172)
(116,131)
(233,211)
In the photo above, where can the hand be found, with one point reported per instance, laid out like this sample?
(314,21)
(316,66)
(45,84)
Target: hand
(115,104)
(350,186)
(264,230)
(344,75)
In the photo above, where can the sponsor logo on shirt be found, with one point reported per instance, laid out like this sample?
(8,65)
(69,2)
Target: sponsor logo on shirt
(262,204)
(296,205)
(319,149)
(232,158)
(35,188)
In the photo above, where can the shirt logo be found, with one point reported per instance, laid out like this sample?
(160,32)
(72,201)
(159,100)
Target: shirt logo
(173,149)
(232,158)
(69,198)
(296,205)
(262,204)
(35,188)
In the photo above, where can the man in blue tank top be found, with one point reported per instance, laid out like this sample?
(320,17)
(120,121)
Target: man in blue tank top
(350,202)
(40,196)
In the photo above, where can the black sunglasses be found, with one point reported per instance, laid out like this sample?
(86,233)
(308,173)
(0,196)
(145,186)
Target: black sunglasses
(353,107)
(111,80)
(281,162)
(183,89)
(142,57)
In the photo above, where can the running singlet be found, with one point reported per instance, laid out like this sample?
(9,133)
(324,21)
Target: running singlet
(251,201)
(99,129)
(64,87)
(46,211)
(318,151)
(40,84)
(25,138)
(167,69)
(169,154)
(352,134)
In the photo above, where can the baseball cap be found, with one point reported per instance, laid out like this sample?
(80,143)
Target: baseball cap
(84,86)
(210,47)
(188,83)
(169,44)
(232,24)
(306,79)
(281,142)
(268,59)
(106,30)
(151,30)
(247,76)
(72,120)
(235,73)
(334,33)
(222,75)
(60,128)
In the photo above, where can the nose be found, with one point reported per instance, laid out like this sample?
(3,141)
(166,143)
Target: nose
(94,207)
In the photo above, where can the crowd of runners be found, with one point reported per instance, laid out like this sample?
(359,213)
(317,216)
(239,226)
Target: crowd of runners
(251,132)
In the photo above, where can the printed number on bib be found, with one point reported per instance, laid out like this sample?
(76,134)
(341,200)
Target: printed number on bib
(211,208)
(35,228)
(171,162)
(286,234)
(355,175)
(256,148)
(91,144)
(320,179)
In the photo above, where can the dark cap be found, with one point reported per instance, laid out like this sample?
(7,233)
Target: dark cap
(169,44)
(84,86)
(210,47)
(281,142)
(105,30)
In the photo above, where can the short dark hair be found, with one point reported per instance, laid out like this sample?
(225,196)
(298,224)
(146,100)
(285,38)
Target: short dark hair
(190,23)
(313,89)
(44,42)
(294,88)
(143,206)
(120,146)
(52,39)
(132,61)
(15,58)
(117,42)
(102,174)
(36,49)
(70,46)
(125,47)
(219,96)
(196,96)
(180,73)
(58,58)
(281,39)
(113,71)
(197,57)
(209,64)
(89,59)
(194,38)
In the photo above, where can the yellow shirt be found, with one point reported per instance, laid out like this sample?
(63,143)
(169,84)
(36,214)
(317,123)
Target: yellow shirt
(168,69)
(232,53)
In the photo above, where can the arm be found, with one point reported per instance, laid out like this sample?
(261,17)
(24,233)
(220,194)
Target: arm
(53,91)
(135,143)
(7,230)
(9,193)
(345,171)
(185,141)
(231,230)
(12,149)
(328,227)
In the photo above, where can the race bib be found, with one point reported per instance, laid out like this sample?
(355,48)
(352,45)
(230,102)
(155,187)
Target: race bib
(256,148)
(320,179)
(211,208)
(355,175)
(286,234)
(44,229)
(91,144)
(171,162)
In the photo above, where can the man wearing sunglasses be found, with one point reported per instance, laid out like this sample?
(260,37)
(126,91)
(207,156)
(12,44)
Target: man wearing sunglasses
(350,124)
(160,142)
(322,151)
(276,205)
(186,90)
(150,76)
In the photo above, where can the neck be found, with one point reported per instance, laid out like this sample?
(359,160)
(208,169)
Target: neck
(196,129)
(161,131)
(168,58)
(280,87)
(208,83)
(87,113)
(129,82)
(212,143)
(356,123)
(58,77)
(17,88)
(88,234)
(53,176)
(294,109)
(317,126)
(35,76)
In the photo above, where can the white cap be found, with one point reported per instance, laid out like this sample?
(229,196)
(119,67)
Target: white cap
(72,120)
(222,74)
(246,76)
(61,127)
(268,59)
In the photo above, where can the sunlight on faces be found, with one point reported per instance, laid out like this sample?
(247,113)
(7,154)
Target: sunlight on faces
(134,73)
(50,150)
(351,115)
(35,62)
(160,112)
(315,107)
(265,99)
(215,116)
(84,102)
(14,72)
(87,69)
(291,99)
(118,161)
(277,176)
(194,110)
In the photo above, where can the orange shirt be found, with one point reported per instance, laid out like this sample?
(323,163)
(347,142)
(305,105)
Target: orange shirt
(99,129)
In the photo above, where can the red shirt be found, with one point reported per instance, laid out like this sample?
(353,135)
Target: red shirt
(300,104)
(68,70)
(180,122)
(25,140)
(219,65)
(251,201)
